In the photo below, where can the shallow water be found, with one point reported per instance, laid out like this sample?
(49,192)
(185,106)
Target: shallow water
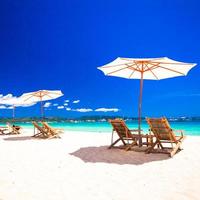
(190,128)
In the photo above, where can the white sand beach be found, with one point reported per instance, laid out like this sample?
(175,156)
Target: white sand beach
(79,166)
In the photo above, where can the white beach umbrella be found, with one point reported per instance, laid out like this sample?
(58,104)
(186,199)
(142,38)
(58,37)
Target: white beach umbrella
(41,95)
(145,68)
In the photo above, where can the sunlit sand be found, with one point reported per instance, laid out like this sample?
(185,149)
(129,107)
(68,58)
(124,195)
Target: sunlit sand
(79,166)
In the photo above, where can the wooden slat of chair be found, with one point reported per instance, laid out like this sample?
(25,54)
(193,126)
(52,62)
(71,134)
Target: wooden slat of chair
(13,129)
(123,133)
(54,132)
(16,129)
(3,130)
(42,132)
(164,134)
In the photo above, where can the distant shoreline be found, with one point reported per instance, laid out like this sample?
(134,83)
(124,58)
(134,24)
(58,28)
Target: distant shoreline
(92,119)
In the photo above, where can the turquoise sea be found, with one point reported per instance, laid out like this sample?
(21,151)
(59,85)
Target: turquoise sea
(190,128)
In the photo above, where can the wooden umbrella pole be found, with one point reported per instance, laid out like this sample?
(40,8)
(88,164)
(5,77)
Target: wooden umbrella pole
(41,107)
(13,114)
(140,109)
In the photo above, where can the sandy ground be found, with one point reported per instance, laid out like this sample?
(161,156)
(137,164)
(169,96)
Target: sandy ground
(79,166)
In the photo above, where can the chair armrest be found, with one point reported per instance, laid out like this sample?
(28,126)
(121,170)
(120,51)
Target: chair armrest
(135,130)
(3,127)
(17,127)
(147,135)
(180,131)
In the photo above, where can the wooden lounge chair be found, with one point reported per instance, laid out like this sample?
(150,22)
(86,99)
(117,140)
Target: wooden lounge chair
(4,130)
(125,135)
(53,131)
(42,132)
(164,135)
(13,129)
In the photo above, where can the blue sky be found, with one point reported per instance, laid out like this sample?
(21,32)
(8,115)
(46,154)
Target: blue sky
(59,45)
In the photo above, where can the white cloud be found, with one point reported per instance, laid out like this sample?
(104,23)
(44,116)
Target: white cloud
(107,110)
(83,110)
(47,104)
(2,107)
(55,104)
(76,101)
(68,109)
(60,107)
(10,107)
(67,101)
(1,95)
(65,104)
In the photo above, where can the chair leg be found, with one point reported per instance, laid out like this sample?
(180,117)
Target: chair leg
(114,143)
(160,145)
(149,141)
(175,149)
(152,147)
(132,144)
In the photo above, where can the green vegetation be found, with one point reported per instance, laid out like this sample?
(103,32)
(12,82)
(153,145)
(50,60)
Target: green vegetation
(89,118)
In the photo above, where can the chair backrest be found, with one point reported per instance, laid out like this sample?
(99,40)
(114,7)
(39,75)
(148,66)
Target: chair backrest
(51,129)
(8,124)
(120,127)
(46,125)
(161,128)
(36,125)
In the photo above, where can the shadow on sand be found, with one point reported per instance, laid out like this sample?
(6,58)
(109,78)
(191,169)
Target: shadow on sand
(19,138)
(116,156)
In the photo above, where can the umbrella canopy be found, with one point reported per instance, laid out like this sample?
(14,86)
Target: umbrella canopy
(41,95)
(145,68)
